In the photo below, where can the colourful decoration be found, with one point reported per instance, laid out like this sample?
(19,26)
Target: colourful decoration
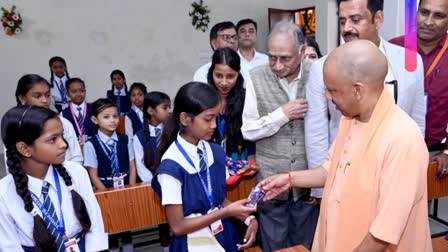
(11,21)
(307,19)
(199,16)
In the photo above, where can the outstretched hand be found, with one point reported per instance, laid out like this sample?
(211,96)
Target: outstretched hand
(274,185)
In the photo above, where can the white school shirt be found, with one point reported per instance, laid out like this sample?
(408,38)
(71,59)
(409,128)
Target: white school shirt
(73,152)
(75,109)
(201,74)
(90,157)
(16,224)
(171,187)
(55,94)
(258,60)
(128,123)
(139,152)
(120,92)
(255,127)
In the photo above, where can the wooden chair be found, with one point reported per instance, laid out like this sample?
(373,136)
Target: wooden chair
(139,206)
(298,248)
(130,208)
(439,244)
(121,125)
(437,188)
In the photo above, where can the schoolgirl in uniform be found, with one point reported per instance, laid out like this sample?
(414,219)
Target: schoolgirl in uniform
(191,177)
(119,92)
(59,76)
(45,204)
(134,119)
(79,112)
(156,108)
(32,89)
(109,159)
(225,76)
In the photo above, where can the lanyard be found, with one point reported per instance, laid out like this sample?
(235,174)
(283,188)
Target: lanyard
(116,168)
(61,226)
(78,127)
(437,59)
(221,125)
(207,189)
(61,91)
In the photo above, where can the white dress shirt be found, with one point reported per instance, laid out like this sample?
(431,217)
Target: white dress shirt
(73,152)
(128,123)
(75,108)
(119,92)
(143,172)
(255,127)
(258,60)
(172,187)
(90,157)
(16,224)
(55,94)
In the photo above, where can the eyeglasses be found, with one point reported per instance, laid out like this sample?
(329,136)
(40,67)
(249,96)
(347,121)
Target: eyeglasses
(227,37)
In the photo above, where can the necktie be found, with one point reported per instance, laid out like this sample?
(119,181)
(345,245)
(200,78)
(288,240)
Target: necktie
(52,212)
(158,135)
(80,120)
(62,89)
(113,157)
(202,164)
(119,101)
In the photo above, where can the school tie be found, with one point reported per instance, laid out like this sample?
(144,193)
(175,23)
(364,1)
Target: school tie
(62,88)
(80,119)
(52,212)
(113,161)
(202,164)
(158,135)
(119,101)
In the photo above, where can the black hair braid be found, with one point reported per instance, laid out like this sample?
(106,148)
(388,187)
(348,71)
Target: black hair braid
(44,241)
(79,205)
(20,178)
(52,79)
(148,157)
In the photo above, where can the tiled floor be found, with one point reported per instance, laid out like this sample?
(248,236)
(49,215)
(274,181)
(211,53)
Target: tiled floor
(435,226)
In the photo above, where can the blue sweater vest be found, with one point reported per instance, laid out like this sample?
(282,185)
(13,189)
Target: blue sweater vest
(125,101)
(88,124)
(136,123)
(104,165)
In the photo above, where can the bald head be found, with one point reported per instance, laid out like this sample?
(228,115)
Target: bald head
(357,61)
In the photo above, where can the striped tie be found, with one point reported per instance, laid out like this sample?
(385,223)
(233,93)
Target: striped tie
(119,101)
(62,89)
(80,120)
(52,212)
(202,164)
(113,161)
(158,135)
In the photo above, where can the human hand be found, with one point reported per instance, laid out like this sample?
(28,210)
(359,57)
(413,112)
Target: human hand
(239,209)
(250,236)
(253,169)
(274,185)
(442,161)
(295,109)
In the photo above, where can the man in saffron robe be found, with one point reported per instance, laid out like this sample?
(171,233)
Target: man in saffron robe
(375,196)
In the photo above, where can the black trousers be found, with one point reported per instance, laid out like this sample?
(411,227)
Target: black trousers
(287,223)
